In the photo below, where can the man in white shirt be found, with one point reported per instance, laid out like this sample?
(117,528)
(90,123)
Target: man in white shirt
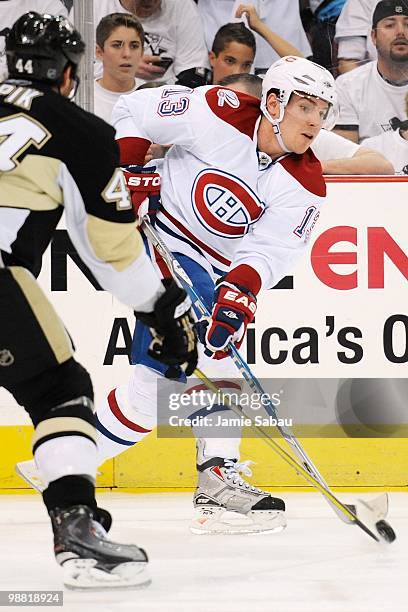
(119,46)
(281,16)
(11,10)
(394,145)
(371,95)
(174,38)
(353,34)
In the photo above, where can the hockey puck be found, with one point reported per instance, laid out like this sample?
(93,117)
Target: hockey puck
(385,530)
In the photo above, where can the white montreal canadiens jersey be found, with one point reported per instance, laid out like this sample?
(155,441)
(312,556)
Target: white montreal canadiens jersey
(220,204)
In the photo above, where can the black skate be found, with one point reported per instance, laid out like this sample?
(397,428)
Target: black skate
(89,559)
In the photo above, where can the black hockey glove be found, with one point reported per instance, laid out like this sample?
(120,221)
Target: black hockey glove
(172,326)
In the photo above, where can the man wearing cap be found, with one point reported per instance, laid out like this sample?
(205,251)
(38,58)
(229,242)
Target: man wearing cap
(371,95)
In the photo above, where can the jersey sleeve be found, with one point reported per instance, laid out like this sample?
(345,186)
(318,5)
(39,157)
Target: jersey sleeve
(165,115)
(329,145)
(279,239)
(101,221)
(199,120)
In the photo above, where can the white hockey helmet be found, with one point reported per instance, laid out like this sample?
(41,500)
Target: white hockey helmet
(297,74)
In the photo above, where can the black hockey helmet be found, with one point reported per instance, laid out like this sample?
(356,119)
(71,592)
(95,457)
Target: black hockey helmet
(39,48)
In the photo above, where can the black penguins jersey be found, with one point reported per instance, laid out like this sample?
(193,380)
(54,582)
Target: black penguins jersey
(55,157)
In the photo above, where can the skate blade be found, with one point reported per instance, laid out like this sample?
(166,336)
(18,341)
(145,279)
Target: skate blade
(216,521)
(27,470)
(82,575)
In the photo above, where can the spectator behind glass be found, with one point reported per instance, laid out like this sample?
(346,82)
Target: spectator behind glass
(119,46)
(233,49)
(281,15)
(11,10)
(319,19)
(353,34)
(174,38)
(394,145)
(337,155)
(373,94)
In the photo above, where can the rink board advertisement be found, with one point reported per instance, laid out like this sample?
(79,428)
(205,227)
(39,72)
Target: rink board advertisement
(342,317)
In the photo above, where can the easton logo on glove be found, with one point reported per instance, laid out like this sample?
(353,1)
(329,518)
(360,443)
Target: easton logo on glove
(144,186)
(234,307)
(143,180)
(239,297)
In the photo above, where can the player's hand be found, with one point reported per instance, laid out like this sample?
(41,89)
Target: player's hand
(172,327)
(234,307)
(253,19)
(156,151)
(144,186)
(148,68)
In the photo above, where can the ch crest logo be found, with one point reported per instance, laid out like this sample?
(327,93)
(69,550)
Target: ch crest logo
(6,358)
(225,205)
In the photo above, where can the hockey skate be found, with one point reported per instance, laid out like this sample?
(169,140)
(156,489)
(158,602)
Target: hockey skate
(225,503)
(90,561)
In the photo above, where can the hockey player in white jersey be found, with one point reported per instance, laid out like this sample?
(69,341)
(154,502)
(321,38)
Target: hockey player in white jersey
(240,192)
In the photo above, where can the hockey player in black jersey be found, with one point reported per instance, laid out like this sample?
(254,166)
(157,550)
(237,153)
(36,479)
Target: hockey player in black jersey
(56,157)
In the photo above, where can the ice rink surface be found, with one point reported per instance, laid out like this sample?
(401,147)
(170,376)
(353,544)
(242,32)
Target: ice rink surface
(317,564)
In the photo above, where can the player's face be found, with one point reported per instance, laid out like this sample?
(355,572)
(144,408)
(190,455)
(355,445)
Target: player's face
(146,8)
(302,121)
(121,53)
(391,38)
(235,58)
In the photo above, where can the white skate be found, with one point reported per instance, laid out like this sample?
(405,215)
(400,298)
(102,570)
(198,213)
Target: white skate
(225,503)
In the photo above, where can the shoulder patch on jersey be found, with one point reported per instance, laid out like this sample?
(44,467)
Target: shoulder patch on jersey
(238,109)
(307,170)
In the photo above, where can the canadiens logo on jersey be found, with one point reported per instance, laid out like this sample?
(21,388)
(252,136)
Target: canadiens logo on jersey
(224,204)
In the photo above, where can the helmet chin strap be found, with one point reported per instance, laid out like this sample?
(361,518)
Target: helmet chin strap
(276,129)
(278,134)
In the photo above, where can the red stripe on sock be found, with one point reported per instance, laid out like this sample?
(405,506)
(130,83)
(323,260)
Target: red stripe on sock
(114,406)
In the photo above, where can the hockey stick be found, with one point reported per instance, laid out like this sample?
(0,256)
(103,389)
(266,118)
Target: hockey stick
(377,505)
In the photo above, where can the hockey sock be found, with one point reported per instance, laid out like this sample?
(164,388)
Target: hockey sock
(69,491)
(119,424)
